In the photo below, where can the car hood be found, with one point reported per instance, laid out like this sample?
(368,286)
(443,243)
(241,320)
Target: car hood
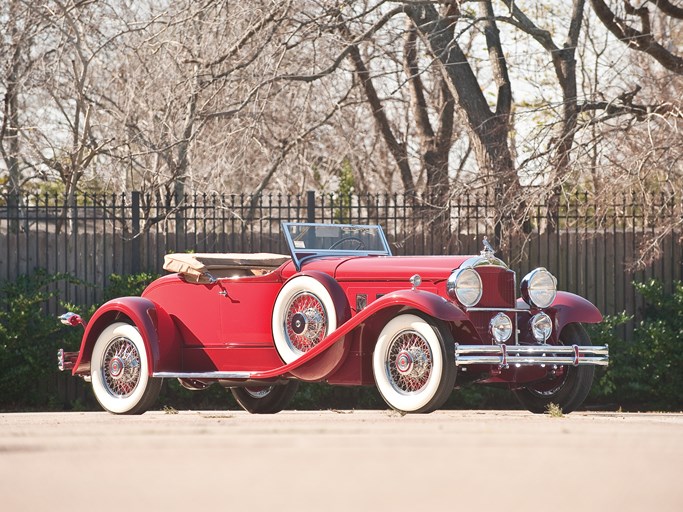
(398,268)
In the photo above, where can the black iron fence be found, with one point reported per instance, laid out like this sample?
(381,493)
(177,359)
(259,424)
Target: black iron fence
(591,248)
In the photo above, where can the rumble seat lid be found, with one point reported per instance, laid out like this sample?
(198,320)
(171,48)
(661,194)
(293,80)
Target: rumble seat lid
(195,265)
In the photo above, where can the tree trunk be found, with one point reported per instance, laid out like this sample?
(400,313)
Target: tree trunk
(489,131)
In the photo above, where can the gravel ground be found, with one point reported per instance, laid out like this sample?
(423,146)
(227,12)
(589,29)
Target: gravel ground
(341,460)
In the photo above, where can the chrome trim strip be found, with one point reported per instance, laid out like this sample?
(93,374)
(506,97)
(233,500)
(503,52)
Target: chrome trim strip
(480,261)
(203,375)
(504,310)
(504,355)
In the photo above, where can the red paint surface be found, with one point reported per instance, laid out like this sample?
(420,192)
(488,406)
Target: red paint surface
(226,326)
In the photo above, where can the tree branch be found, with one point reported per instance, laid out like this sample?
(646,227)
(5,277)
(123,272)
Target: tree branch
(642,41)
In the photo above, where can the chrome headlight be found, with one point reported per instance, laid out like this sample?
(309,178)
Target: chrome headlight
(464,285)
(501,327)
(539,288)
(541,327)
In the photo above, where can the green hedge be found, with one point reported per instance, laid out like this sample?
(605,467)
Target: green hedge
(645,373)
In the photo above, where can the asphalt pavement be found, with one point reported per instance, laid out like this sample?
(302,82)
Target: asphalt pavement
(341,461)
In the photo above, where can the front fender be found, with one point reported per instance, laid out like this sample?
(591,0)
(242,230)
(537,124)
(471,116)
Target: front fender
(571,308)
(386,306)
(150,319)
(427,302)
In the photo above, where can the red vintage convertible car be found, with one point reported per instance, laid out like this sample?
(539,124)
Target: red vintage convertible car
(340,309)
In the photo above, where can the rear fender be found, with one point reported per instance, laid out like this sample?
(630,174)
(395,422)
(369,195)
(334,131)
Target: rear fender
(150,319)
(571,308)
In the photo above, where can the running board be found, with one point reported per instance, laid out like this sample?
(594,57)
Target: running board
(204,375)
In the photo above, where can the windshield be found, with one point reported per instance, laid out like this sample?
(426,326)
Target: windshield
(307,240)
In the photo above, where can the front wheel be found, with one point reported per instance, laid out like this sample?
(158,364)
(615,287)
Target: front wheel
(265,399)
(567,390)
(414,363)
(120,371)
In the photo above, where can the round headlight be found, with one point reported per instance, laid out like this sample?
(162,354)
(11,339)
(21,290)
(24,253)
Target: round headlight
(464,285)
(541,327)
(539,288)
(501,327)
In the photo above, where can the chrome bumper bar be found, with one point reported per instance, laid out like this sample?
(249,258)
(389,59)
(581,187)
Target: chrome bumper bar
(531,355)
(66,360)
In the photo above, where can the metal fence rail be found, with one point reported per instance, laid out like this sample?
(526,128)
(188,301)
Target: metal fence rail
(591,248)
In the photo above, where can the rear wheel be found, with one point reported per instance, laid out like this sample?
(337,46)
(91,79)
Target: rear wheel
(414,364)
(120,371)
(569,387)
(265,399)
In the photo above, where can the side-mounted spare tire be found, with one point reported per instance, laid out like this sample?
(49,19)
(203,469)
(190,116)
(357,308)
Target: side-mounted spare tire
(304,313)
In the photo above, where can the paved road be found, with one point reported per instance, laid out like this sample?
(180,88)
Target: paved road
(341,461)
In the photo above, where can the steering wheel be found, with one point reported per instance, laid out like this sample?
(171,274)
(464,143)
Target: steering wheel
(359,242)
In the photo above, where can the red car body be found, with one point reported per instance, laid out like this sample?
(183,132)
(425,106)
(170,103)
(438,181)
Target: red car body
(224,329)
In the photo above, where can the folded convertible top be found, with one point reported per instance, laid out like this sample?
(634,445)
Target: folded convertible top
(194,266)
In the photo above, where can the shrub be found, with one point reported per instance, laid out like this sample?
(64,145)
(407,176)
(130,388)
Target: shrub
(29,339)
(128,285)
(646,372)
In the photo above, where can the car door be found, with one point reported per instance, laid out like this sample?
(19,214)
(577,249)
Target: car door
(246,307)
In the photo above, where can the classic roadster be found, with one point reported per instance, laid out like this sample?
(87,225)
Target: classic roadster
(340,309)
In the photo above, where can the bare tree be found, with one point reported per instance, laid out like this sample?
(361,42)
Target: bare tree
(642,39)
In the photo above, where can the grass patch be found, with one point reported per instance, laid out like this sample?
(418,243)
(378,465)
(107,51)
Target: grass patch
(554,411)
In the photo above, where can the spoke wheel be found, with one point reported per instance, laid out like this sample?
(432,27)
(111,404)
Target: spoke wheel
(413,363)
(265,399)
(120,371)
(304,313)
(305,322)
(409,362)
(568,388)
(121,367)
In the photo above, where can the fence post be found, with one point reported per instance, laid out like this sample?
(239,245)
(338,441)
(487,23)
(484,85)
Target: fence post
(135,245)
(13,211)
(310,206)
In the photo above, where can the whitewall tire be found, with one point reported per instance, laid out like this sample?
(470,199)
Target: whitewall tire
(120,371)
(413,363)
(304,313)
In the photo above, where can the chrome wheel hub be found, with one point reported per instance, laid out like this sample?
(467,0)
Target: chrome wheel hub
(121,367)
(116,367)
(409,362)
(305,322)
(404,362)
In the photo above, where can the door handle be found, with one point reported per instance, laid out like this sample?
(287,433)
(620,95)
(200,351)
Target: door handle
(223,293)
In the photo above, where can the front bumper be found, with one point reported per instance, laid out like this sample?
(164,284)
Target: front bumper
(531,355)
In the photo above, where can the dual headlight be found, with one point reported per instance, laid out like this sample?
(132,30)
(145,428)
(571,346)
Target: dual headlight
(464,285)
(539,288)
